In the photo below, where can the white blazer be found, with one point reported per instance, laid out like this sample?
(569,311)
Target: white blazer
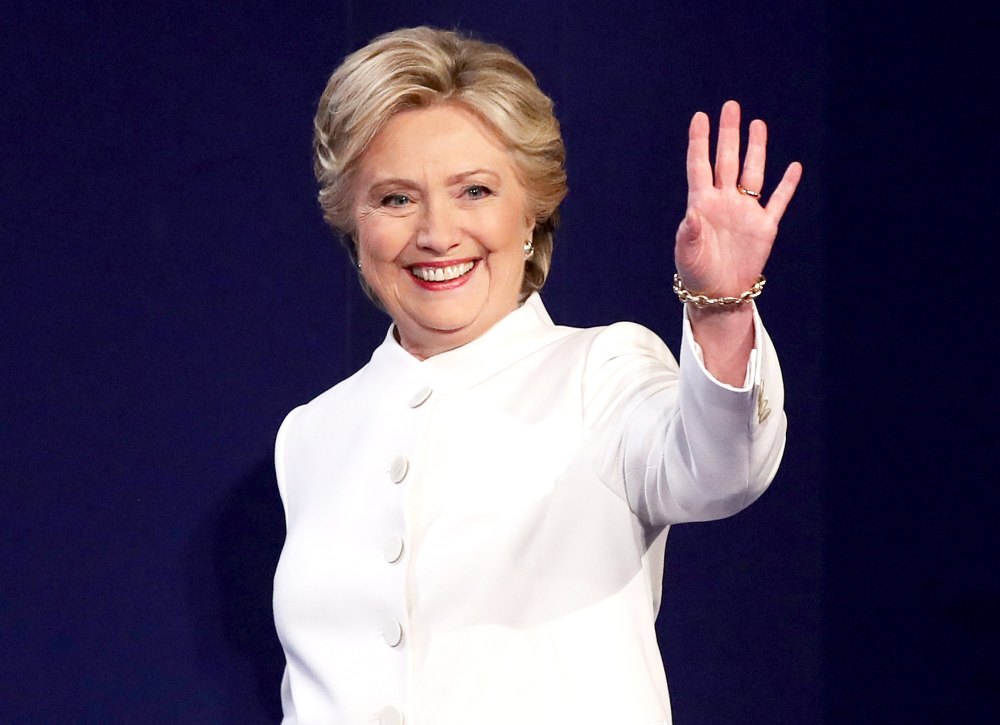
(478,538)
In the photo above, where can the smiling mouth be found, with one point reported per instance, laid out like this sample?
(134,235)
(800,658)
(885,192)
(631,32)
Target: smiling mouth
(442,274)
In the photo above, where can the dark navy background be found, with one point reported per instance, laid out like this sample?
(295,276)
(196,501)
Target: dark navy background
(168,291)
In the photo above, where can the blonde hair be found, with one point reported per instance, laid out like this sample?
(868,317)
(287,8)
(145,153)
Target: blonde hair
(419,67)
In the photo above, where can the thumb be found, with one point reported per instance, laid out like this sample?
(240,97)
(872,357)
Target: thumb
(688,233)
(689,229)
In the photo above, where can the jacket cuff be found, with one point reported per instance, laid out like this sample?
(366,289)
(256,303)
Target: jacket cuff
(752,377)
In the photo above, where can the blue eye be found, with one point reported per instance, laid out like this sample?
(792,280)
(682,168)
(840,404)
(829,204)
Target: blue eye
(395,200)
(477,191)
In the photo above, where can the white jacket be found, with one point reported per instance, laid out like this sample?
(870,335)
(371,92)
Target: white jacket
(478,538)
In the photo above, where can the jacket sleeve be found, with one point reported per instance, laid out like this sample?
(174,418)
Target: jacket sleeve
(680,445)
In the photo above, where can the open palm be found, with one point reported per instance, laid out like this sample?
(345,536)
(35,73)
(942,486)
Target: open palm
(726,236)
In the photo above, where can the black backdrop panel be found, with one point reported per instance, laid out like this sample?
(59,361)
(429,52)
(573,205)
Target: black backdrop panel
(168,291)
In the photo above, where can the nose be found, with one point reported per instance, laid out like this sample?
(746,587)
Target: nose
(438,231)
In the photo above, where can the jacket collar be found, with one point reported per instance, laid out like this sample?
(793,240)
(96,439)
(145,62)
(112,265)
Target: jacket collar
(513,337)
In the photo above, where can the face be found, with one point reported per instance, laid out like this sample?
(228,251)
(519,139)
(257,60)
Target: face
(440,222)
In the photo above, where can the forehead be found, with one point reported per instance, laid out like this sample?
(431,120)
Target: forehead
(445,136)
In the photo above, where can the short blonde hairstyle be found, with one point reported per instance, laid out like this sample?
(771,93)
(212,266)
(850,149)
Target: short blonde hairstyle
(419,67)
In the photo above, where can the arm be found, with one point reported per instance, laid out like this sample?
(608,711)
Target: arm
(675,442)
(726,236)
(706,443)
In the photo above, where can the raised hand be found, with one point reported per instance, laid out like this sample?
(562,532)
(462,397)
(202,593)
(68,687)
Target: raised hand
(726,235)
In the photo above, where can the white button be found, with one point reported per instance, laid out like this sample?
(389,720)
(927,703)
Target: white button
(420,397)
(399,468)
(393,548)
(390,716)
(393,633)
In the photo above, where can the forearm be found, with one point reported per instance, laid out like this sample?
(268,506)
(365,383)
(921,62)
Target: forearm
(706,450)
(726,337)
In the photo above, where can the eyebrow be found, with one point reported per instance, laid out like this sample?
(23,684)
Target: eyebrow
(392,181)
(451,180)
(456,178)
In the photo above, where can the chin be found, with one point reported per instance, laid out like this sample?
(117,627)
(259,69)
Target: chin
(448,316)
(450,325)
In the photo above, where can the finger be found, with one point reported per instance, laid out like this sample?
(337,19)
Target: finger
(727,152)
(699,169)
(778,202)
(753,165)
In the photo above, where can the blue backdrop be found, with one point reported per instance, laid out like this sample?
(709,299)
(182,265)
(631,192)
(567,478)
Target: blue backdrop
(168,291)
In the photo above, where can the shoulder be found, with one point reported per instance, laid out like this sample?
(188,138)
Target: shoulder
(616,353)
(625,363)
(626,346)
(340,397)
(601,343)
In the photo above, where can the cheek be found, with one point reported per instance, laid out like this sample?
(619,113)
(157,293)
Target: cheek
(379,239)
(508,231)
(508,263)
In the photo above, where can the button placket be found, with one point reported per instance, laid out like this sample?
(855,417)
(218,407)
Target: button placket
(392,549)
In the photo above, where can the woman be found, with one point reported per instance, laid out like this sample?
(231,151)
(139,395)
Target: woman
(476,519)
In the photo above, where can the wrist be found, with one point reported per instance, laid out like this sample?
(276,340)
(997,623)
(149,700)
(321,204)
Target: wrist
(704,301)
(698,313)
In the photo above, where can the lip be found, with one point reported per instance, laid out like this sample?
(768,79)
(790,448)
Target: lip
(436,264)
(443,262)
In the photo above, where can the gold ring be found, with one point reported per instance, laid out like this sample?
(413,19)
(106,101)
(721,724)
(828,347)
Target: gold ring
(751,194)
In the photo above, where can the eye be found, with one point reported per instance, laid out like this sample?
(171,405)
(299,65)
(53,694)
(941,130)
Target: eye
(396,200)
(477,191)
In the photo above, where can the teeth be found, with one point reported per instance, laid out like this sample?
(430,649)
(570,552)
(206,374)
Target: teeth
(442,274)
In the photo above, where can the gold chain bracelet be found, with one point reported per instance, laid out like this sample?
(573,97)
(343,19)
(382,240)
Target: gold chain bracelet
(685,295)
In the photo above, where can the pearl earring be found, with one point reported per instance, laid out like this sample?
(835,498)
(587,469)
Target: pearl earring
(529,249)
